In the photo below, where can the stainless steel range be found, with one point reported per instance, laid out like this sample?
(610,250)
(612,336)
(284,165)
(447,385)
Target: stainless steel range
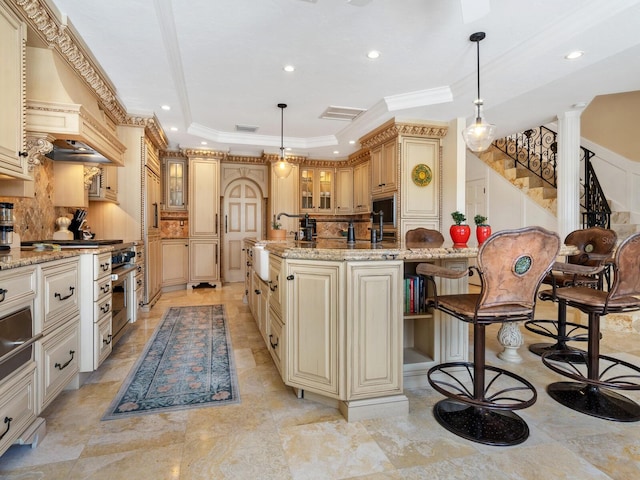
(123,272)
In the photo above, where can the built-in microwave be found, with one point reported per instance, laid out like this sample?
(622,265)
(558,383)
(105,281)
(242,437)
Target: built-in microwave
(388,207)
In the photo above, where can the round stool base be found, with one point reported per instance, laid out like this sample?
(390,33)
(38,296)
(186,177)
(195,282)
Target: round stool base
(595,401)
(542,348)
(482,425)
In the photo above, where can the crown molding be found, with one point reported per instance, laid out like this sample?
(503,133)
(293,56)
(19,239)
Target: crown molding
(57,35)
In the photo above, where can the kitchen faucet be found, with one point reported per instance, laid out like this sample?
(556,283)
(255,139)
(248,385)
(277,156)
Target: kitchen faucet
(307,228)
(377,238)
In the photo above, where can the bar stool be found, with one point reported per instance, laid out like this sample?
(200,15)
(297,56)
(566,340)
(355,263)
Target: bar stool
(585,268)
(596,375)
(423,238)
(481,398)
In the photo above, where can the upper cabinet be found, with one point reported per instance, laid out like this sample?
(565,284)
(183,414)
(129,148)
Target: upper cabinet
(361,188)
(317,190)
(204,199)
(175,183)
(104,186)
(384,168)
(344,190)
(12,104)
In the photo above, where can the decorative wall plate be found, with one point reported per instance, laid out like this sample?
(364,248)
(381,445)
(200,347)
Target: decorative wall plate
(421,175)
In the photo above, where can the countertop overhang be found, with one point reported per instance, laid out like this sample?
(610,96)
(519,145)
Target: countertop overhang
(362,250)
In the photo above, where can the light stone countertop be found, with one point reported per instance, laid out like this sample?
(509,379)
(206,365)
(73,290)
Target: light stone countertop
(25,256)
(333,249)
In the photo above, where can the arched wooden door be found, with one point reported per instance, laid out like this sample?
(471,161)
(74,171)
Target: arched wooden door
(242,207)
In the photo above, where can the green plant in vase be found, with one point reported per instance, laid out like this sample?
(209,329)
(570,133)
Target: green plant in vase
(483,230)
(460,232)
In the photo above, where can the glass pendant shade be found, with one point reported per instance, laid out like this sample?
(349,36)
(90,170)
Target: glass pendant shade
(479,135)
(282,169)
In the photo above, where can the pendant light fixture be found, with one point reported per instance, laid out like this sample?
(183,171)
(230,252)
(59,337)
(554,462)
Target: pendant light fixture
(479,135)
(282,169)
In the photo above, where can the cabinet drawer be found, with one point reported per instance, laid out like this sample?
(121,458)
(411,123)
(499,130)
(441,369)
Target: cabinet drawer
(103,340)
(101,265)
(58,361)
(61,296)
(276,339)
(102,307)
(18,403)
(16,285)
(101,288)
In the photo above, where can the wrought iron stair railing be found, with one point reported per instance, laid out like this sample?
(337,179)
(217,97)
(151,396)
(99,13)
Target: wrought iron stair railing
(536,150)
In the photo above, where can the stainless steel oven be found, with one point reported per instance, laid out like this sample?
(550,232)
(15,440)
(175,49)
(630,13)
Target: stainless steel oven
(123,272)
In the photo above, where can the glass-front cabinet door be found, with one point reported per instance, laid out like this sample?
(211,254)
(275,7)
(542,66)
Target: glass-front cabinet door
(316,190)
(306,189)
(175,184)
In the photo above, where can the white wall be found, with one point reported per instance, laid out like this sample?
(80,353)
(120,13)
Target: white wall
(507,206)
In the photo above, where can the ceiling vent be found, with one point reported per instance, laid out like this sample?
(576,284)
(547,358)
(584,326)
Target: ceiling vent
(247,128)
(342,113)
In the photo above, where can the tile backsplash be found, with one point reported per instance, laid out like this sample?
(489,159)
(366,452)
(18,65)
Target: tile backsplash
(35,217)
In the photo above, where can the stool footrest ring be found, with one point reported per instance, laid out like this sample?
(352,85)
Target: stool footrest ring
(614,373)
(549,328)
(504,390)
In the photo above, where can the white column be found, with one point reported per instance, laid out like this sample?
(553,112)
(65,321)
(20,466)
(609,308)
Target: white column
(568,172)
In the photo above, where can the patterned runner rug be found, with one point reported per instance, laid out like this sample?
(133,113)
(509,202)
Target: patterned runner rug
(187,363)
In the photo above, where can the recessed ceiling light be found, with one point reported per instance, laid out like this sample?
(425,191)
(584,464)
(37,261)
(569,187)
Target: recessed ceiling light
(288,149)
(174,129)
(373,54)
(574,55)
(336,152)
(289,68)
(579,105)
(352,142)
(166,107)
(203,143)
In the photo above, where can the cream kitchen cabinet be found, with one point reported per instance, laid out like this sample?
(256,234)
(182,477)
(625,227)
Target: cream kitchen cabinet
(315,327)
(204,261)
(384,168)
(204,199)
(317,190)
(175,183)
(104,186)
(344,191)
(175,262)
(362,188)
(13,38)
(95,311)
(58,351)
(204,213)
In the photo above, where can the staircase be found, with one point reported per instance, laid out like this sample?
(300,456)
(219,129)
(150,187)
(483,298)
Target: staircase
(539,185)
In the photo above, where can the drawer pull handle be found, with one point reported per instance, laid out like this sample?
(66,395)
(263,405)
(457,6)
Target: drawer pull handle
(105,308)
(61,298)
(105,288)
(139,282)
(258,292)
(274,287)
(107,341)
(3,292)
(8,421)
(62,367)
(272,344)
(105,266)
(290,277)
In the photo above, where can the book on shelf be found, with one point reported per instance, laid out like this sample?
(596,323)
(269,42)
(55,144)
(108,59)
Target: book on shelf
(414,294)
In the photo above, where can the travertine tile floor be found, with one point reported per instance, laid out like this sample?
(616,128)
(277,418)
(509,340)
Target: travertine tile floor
(273,435)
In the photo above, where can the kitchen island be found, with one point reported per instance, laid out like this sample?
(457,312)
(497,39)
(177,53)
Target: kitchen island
(336,321)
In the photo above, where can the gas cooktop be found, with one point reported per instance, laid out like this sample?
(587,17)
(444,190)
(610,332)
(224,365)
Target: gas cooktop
(92,243)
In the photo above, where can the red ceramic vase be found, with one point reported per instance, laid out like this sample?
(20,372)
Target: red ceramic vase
(482,233)
(460,235)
